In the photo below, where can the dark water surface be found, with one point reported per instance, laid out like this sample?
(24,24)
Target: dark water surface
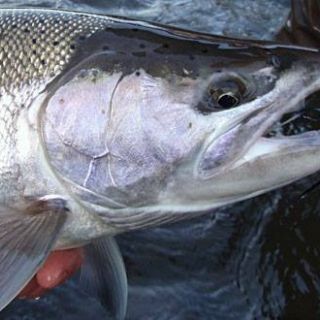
(258,259)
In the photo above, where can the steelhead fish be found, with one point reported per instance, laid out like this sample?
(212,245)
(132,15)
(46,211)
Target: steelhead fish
(109,125)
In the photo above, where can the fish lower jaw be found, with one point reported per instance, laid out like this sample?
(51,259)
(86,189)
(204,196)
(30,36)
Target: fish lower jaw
(268,164)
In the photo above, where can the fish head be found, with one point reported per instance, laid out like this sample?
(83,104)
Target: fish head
(188,136)
(234,155)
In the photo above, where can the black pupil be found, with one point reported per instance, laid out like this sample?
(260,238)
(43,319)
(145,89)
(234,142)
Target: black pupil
(227,101)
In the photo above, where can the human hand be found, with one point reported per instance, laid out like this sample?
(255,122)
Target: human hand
(59,266)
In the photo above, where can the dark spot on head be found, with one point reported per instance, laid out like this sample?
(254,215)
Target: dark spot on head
(72,47)
(172,260)
(61,101)
(103,111)
(138,73)
(139,54)
(274,61)
(190,125)
(95,73)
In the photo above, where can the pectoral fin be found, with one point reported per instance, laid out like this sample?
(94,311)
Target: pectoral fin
(26,238)
(103,275)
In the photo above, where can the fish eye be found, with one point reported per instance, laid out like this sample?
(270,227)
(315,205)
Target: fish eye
(228,100)
(223,93)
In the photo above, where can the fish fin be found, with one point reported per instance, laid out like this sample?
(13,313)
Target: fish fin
(303,25)
(103,275)
(26,238)
(137,220)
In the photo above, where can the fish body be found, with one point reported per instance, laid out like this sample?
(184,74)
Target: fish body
(109,125)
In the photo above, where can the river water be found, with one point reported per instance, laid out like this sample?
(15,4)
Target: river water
(258,259)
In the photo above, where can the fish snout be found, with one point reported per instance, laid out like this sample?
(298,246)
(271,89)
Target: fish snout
(255,122)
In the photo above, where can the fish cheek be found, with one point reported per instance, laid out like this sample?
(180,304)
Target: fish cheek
(117,138)
(75,124)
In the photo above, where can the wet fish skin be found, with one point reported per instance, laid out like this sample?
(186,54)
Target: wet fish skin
(49,148)
(34,50)
(41,47)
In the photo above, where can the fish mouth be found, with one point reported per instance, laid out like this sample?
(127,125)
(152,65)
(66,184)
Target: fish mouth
(297,130)
(270,128)
(305,119)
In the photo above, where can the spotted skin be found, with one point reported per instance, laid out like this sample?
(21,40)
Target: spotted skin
(35,49)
